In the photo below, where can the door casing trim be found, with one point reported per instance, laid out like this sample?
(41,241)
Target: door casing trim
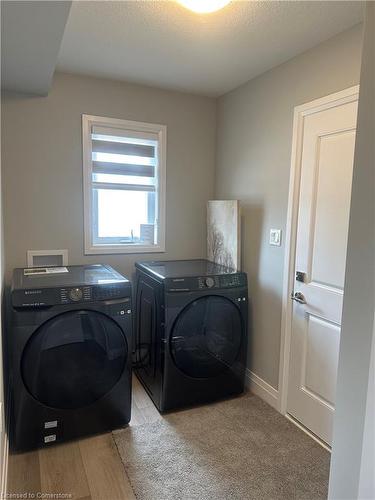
(300,112)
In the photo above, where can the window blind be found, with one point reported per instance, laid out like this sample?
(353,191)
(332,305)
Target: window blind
(126,153)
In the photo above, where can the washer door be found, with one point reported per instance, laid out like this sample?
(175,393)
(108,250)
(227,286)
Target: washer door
(74,359)
(206,337)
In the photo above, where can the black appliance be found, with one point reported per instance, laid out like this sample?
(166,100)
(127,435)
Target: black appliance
(191,331)
(70,353)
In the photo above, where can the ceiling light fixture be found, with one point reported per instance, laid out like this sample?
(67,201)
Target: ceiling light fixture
(204,6)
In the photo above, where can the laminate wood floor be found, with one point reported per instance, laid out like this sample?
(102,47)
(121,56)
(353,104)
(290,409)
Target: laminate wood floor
(90,468)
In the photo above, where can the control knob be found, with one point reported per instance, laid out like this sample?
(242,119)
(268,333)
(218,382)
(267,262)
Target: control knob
(75,294)
(210,282)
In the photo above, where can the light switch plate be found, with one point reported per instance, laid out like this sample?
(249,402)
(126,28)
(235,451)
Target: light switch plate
(275,237)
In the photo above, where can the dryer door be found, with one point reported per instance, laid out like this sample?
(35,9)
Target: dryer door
(206,337)
(74,359)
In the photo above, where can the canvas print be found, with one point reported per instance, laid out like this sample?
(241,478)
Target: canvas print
(223,233)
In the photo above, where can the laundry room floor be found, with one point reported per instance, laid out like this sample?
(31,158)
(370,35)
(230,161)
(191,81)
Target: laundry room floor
(207,440)
(89,468)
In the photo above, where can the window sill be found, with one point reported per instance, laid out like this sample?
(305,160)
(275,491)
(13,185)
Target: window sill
(123,249)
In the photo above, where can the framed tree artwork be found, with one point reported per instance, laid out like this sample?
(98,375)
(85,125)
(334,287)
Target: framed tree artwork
(223,233)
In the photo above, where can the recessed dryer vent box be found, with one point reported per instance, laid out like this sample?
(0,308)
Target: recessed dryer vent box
(42,258)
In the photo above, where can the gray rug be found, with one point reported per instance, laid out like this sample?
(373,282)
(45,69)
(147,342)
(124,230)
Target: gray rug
(237,449)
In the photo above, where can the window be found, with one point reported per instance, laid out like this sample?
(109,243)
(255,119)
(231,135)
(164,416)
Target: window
(124,185)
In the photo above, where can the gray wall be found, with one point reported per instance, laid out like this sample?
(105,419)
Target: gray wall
(352,464)
(42,165)
(254,140)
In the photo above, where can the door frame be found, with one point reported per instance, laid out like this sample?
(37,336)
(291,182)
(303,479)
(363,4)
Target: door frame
(345,96)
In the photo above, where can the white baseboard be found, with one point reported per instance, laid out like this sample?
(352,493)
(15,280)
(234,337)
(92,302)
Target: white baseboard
(261,388)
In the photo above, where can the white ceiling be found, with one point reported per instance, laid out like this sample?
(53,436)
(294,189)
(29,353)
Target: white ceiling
(160,43)
(31,34)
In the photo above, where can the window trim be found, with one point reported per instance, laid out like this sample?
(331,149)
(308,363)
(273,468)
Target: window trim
(101,249)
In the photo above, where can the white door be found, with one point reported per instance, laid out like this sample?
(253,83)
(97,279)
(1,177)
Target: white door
(327,143)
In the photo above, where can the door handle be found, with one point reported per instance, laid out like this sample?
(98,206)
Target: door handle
(299,297)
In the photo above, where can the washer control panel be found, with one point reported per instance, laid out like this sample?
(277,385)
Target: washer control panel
(70,285)
(91,293)
(76,294)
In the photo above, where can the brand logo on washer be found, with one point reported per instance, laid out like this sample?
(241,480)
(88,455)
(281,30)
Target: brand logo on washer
(32,292)
(178,279)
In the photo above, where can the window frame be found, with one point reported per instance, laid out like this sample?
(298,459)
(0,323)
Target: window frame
(90,247)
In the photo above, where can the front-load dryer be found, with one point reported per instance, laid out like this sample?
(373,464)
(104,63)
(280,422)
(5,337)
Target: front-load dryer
(69,344)
(191,331)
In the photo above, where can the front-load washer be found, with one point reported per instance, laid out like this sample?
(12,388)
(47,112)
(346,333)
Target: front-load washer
(69,346)
(191,331)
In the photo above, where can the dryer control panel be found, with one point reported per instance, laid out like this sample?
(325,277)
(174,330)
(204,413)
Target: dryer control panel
(235,280)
